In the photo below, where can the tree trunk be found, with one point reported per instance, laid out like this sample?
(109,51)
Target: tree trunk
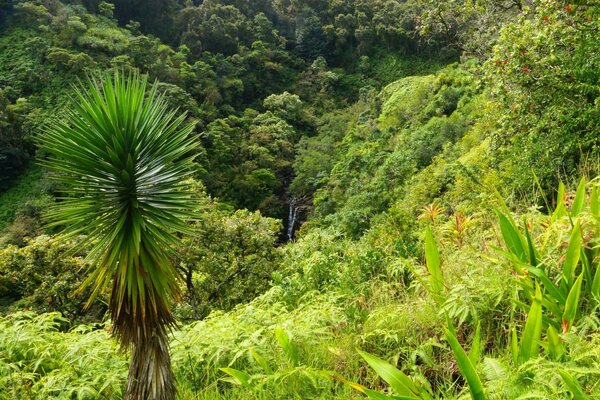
(150,374)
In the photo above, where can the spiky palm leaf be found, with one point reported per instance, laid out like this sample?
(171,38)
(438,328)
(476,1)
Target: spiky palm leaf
(122,160)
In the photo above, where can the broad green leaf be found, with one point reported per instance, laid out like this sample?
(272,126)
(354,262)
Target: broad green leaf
(595,201)
(512,238)
(475,350)
(560,210)
(555,346)
(518,264)
(398,381)
(573,385)
(533,254)
(239,377)
(572,303)
(579,201)
(595,289)
(261,361)
(432,257)
(372,394)
(288,346)
(588,268)
(530,338)
(573,255)
(465,365)
(555,308)
(547,284)
(514,346)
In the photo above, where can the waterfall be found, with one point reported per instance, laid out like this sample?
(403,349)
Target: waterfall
(292,217)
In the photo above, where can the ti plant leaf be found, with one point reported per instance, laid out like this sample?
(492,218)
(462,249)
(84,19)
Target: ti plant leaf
(530,339)
(512,237)
(573,386)
(370,393)
(475,351)
(595,201)
(572,304)
(533,254)
(573,255)
(514,345)
(288,346)
(560,210)
(467,369)
(432,257)
(237,377)
(261,361)
(400,383)
(555,347)
(579,201)
(596,286)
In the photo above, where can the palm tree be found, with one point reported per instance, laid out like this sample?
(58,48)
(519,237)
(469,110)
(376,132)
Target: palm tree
(122,160)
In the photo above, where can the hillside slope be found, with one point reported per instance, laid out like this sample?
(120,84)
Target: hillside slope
(448,212)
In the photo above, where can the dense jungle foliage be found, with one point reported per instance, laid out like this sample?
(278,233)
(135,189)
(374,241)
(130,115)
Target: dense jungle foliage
(393,199)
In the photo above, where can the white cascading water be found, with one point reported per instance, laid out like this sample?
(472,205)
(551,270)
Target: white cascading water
(292,217)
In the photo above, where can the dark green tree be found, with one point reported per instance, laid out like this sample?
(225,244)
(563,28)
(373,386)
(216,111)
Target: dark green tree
(311,40)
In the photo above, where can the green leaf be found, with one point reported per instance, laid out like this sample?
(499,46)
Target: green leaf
(372,394)
(432,257)
(475,350)
(573,255)
(579,201)
(595,201)
(572,303)
(288,346)
(560,210)
(240,378)
(261,361)
(398,381)
(595,289)
(572,385)
(465,365)
(514,346)
(530,338)
(547,284)
(533,254)
(555,346)
(513,239)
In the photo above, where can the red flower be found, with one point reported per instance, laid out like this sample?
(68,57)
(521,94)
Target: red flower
(525,69)
(546,18)
(568,8)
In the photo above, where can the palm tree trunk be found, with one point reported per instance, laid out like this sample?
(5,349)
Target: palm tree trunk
(150,374)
